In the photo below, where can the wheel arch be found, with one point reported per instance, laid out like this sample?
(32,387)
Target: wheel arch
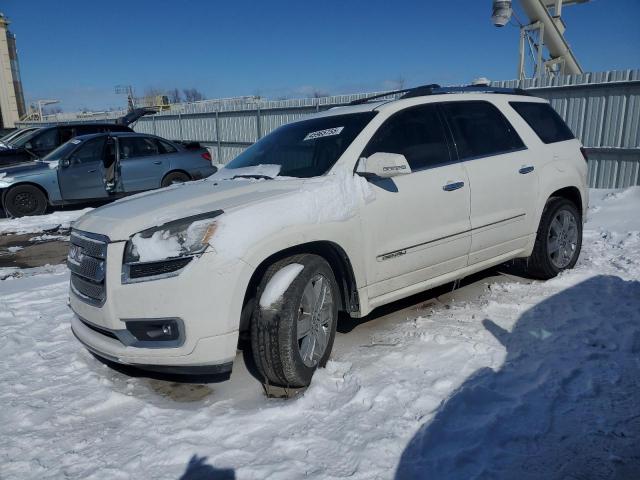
(572,194)
(333,253)
(33,184)
(176,170)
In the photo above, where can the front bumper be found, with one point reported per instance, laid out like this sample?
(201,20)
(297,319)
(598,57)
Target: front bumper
(206,296)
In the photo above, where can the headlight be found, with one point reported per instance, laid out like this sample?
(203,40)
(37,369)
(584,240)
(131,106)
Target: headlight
(168,248)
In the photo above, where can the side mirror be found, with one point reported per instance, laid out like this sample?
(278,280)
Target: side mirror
(28,146)
(64,163)
(383,165)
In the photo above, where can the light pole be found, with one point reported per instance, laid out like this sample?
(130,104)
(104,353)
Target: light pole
(42,103)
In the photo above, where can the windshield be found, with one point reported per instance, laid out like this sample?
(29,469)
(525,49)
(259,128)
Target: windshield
(305,149)
(62,151)
(23,139)
(15,136)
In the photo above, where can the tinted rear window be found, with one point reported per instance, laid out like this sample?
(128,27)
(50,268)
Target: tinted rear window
(480,130)
(544,120)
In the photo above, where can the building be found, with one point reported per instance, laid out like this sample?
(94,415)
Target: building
(12,106)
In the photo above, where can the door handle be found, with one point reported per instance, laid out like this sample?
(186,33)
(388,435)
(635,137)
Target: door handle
(157,162)
(449,187)
(92,171)
(526,169)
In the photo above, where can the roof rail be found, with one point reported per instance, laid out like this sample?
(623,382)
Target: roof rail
(421,91)
(435,89)
(406,91)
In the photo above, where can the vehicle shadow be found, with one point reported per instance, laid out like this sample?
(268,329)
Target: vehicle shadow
(198,469)
(565,404)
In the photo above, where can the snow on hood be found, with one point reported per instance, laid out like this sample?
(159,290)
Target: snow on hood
(252,208)
(121,219)
(331,198)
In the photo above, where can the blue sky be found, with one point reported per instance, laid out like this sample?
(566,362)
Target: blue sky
(77,51)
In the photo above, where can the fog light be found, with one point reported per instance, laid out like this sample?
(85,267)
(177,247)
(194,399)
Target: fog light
(161,330)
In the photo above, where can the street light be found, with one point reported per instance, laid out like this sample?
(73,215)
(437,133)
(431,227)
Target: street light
(42,103)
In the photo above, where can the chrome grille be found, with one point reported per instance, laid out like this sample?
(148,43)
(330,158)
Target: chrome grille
(87,261)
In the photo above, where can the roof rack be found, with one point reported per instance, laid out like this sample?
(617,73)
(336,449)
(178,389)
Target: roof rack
(435,89)
(438,90)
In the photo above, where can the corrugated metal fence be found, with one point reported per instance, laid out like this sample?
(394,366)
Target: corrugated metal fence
(603,110)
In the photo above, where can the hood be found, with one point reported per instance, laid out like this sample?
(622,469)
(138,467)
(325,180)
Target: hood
(131,215)
(25,168)
(10,150)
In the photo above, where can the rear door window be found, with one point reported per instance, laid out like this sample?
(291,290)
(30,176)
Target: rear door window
(543,120)
(132,147)
(479,129)
(165,147)
(417,133)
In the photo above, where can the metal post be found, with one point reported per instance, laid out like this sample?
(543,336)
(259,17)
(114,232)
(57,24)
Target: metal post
(153,123)
(219,159)
(180,126)
(258,124)
(540,67)
(523,37)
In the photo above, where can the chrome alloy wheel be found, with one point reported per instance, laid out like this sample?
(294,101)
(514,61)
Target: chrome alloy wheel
(562,240)
(315,317)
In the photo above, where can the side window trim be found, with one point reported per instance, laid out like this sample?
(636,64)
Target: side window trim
(479,157)
(445,131)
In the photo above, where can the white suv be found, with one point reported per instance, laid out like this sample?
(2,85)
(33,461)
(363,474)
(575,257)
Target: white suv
(346,210)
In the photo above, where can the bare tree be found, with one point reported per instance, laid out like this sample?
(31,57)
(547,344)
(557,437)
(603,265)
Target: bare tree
(192,95)
(51,110)
(317,93)
(174,95)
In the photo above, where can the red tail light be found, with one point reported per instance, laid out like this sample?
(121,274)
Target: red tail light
(206,156)
(584,154)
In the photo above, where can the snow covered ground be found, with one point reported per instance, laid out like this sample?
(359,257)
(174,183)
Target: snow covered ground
(522,380)
(61,218)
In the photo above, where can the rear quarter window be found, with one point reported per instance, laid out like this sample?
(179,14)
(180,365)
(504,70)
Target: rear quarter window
(544,120)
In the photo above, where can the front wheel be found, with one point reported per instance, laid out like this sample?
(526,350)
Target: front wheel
(558,241)
(25,200)
(292,335)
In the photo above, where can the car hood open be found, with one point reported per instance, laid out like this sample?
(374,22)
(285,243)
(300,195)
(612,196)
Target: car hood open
(128,216)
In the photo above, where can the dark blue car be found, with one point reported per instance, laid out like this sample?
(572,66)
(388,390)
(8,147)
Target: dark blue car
(99,167)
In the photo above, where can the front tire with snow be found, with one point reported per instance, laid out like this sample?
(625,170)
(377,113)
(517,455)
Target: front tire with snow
(293,336)
(558,241)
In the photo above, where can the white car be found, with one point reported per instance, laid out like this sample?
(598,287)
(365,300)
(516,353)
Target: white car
(347,210)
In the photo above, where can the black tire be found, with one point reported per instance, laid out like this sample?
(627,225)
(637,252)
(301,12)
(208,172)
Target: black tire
(274,330)
(540,264)
(25,200)
(175,177)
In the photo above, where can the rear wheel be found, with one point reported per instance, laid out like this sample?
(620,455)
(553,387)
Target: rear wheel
(175,177)
(558,241)
(25,200)
(294,336)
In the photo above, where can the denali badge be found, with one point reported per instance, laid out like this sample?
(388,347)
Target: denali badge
(388,256)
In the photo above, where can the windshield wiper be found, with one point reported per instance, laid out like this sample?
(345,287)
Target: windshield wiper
(253,175)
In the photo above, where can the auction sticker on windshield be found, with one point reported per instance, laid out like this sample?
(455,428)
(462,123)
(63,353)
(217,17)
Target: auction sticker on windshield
(323,133)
